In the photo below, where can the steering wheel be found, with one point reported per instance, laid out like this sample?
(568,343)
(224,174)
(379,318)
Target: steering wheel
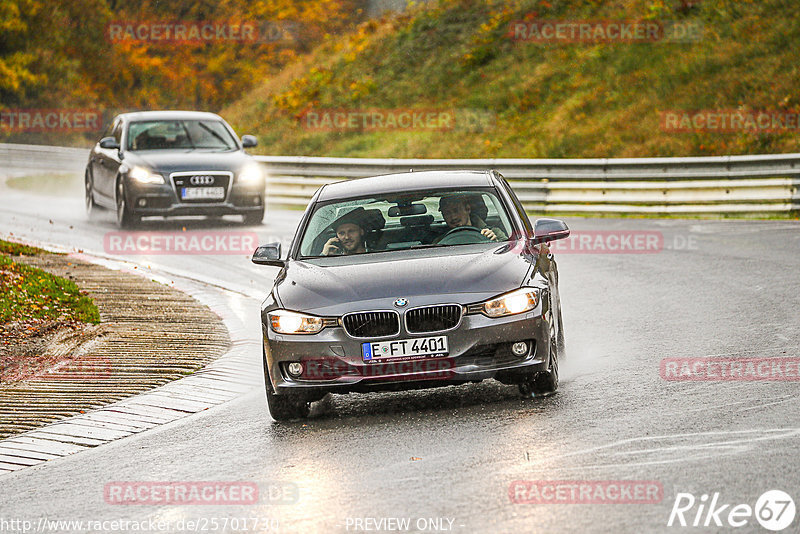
(463,235)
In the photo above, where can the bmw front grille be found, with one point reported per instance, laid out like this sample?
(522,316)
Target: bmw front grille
(433,318)
(372,324)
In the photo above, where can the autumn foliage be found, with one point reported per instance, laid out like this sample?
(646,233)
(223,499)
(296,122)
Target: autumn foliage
(56,54)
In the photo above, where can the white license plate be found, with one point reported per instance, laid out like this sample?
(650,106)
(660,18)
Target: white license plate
(405,348)
(195,193)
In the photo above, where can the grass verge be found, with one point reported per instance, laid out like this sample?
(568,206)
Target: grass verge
(47,183)
(538,100)
(32,295)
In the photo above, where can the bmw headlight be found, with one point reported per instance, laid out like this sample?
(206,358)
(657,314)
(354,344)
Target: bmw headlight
(251,174)
(518,301)
(287,322)
(145,176)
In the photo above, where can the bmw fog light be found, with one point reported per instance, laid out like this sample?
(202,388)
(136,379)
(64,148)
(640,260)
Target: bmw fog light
(295,369)
(519,348)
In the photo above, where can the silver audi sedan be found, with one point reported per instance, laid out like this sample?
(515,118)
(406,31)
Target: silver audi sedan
(173,163)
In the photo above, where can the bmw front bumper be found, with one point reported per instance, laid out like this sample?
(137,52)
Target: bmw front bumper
(479,348)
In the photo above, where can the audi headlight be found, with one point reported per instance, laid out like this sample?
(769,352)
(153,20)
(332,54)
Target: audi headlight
(251,174)
(145,176)
(287,322)
(519,301)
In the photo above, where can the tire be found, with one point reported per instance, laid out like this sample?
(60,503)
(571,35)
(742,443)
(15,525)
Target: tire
(92,207)
(560,340)
(286,407)
(125,218)
(545,383)
(252,219)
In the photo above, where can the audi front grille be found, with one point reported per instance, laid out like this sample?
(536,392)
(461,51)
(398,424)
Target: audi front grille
(186,180)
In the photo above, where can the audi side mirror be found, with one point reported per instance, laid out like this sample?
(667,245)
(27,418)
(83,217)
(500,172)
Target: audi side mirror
(109,143)
(546,230)
(249,141)
(269,254)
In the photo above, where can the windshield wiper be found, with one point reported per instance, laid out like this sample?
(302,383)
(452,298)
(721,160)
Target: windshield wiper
(215,134)
(188,135)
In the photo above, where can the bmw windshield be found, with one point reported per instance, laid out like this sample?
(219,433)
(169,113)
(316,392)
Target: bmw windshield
(405,221)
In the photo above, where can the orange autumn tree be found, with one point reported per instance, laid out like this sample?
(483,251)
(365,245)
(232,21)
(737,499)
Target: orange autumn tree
(59,54)
(209,74)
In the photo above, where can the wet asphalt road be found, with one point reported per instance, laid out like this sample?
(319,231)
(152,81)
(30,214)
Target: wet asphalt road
(445,458)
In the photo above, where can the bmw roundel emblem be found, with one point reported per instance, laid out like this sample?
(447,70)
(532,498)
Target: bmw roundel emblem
(401,302)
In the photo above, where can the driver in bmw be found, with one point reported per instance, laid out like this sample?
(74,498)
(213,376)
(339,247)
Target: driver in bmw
(457,212)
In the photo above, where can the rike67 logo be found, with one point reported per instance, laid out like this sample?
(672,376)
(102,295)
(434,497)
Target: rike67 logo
(774,510)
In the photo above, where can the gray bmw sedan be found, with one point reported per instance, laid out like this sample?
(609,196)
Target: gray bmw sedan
(410,281)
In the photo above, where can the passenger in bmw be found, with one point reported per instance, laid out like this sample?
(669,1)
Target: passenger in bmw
(349,237)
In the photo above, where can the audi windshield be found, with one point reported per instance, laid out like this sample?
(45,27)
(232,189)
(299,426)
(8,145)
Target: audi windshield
(180,134)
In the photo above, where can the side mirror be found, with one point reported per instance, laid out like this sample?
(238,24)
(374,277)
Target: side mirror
(269,254)
(249,141)
(109,142)
(546,230)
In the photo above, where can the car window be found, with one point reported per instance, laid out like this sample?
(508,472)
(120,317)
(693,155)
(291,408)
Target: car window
(116,132)
(517,205)
(407,221)
(109,129)
(179,134)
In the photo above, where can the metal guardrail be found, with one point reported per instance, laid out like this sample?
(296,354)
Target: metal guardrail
(725,185)
(58,158)
(739,185)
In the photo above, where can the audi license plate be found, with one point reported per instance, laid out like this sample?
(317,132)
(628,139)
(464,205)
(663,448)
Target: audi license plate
(202,193)
(409,349)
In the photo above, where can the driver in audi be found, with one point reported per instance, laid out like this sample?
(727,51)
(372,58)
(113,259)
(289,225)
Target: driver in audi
(457,211)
